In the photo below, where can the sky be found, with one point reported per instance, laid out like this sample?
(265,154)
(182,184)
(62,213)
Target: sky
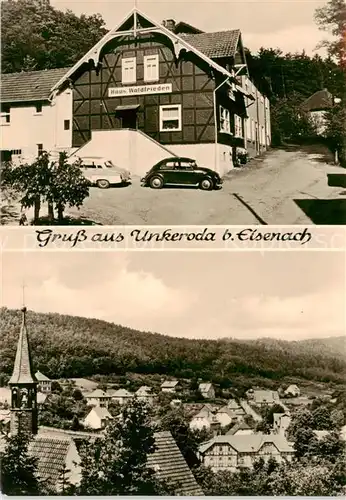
(287,295)
(285,24)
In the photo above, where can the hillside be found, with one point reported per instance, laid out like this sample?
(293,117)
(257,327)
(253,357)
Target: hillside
(69,346)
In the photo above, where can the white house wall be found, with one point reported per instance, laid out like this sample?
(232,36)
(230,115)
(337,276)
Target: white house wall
(27,128)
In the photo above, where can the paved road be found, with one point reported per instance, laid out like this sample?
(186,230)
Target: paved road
(286,187)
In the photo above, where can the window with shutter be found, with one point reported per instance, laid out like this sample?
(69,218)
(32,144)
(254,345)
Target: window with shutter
(151,68)
(128,70)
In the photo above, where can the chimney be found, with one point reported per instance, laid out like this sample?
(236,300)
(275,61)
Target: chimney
(169,24)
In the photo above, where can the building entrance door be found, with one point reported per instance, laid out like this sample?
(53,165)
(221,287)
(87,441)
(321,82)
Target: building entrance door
(127,116)
(129,119)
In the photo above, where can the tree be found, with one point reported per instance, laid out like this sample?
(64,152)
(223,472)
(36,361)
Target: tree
(36,36)
(18,468)
(332,18)
(177,424)
(58,183)
(321,418)
(117,464)
(289,121)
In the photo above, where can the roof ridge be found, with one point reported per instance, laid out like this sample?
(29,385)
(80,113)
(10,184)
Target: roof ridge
(46,70)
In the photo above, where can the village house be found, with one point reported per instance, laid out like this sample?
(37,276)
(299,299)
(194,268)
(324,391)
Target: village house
(144,394)
(205,419)
(97,418)
(44,383)
(235,452)
(207,390)
(264,397)
(292,391)
(98,398)
(31,122)
(235,407)
(120,396)
(226,416)
(170,386)
(146,91)
(316,106)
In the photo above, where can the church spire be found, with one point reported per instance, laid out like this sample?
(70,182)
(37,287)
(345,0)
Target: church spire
(22,370)
(23,386)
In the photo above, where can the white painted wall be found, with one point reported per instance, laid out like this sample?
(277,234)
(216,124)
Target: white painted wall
(205,155)
(27,128)
(223,418)
(129,149)
(199,423)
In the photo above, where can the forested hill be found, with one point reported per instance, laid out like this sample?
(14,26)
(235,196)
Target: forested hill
(70,346)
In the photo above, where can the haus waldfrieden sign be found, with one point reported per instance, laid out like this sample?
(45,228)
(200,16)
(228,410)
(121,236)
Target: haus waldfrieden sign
(140,90)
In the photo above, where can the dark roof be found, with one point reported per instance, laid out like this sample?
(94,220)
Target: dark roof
(29,85)
(51,456)
(320,100)
(182,27)
(238,427)
(170,465)
(214,45)
(249,443)
(22,370)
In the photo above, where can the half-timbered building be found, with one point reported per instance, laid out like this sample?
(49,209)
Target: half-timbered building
(148,90)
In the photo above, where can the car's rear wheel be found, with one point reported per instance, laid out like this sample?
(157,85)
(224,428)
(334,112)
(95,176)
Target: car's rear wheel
(156,182)
(206,184)
(102,184)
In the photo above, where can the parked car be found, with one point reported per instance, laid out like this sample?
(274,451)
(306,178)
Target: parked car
(181,171)
(102,172)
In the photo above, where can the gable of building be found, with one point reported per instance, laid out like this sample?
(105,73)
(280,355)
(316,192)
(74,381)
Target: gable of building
(319,101)
(135,23)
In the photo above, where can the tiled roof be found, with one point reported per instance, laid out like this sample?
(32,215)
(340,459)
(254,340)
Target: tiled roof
(228,411)
(233,405)
(250,443)
(98,393)
(122,393)
(29,85)
(101,412)
(51,454)
(214,45)
(56,433)
(320,100)
(170,383)
(41,378)
(170,465)
(144,390)
(239,426)
(22,370)
(265,396)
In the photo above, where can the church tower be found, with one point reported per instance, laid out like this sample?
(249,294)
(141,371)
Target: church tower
(23,386)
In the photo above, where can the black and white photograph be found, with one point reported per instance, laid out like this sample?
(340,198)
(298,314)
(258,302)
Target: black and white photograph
(189,339)
(173,373)
(156,112)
